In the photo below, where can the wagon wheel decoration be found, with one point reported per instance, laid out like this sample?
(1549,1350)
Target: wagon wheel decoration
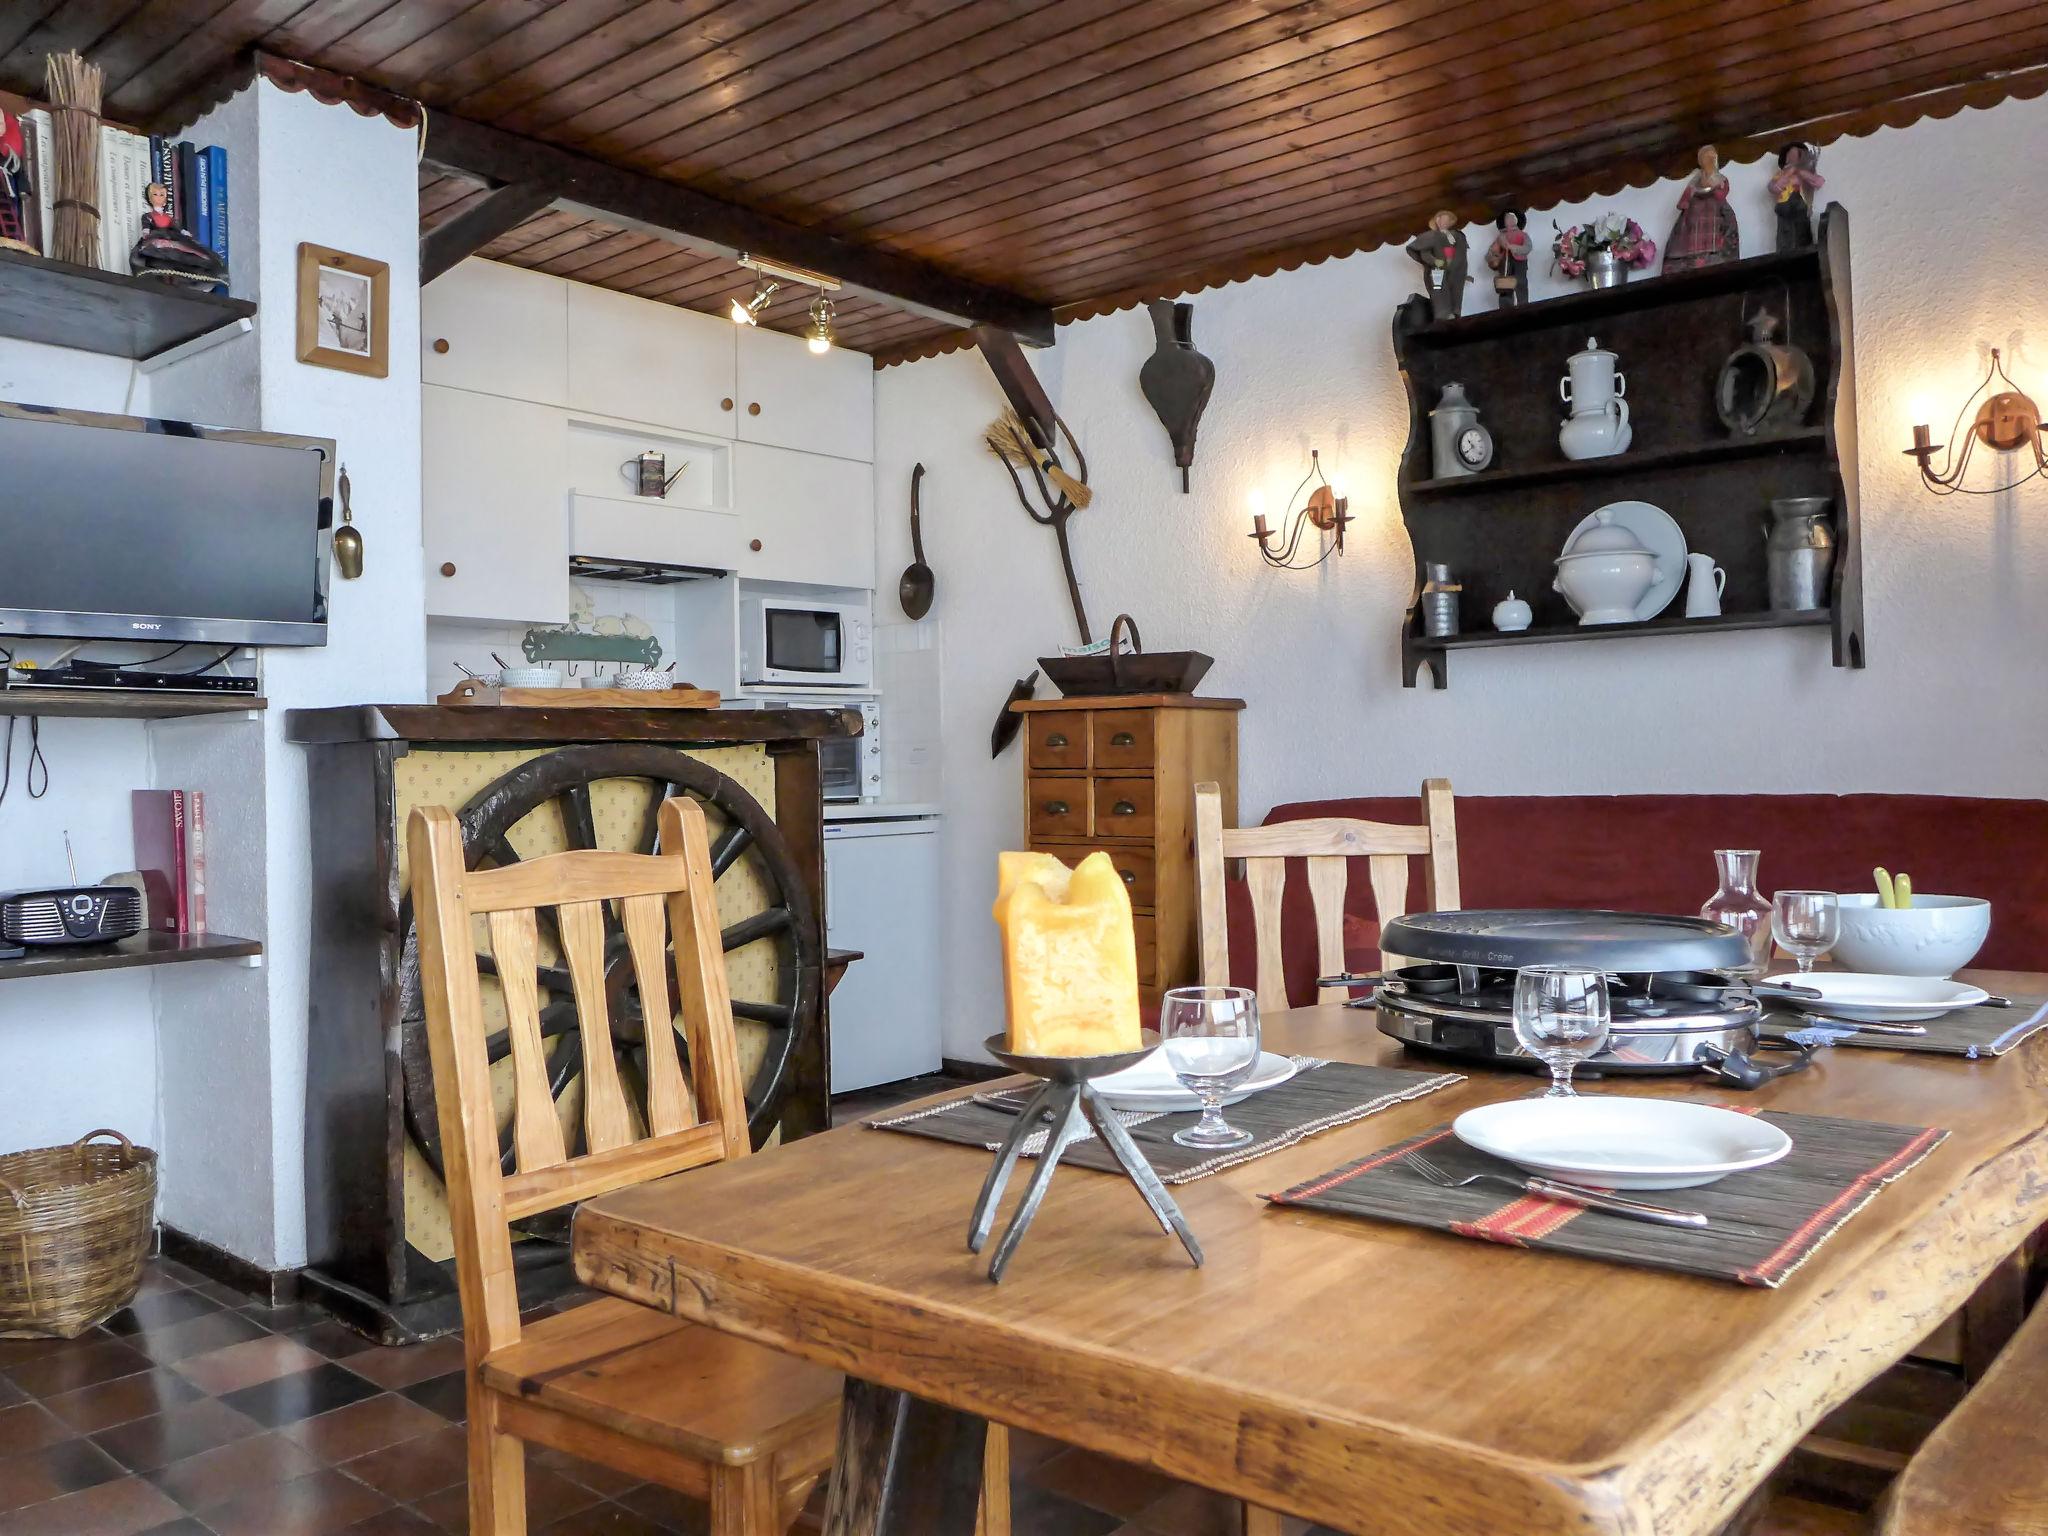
(744,836)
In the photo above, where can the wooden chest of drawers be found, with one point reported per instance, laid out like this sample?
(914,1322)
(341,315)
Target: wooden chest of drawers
(1119,774)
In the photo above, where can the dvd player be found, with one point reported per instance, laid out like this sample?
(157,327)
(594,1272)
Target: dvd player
(128,679)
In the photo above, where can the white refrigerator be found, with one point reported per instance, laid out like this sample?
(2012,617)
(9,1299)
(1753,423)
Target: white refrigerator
(882,898)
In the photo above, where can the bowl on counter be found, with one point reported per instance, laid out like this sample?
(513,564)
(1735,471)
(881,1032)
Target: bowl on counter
(531,677)
(1936,936)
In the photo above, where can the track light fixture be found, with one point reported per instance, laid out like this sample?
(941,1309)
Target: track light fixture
(747,313)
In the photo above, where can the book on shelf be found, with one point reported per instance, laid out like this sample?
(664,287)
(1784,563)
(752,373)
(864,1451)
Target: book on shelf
(170,853)
(217,180)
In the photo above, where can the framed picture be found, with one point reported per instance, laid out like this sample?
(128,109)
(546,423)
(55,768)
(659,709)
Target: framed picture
(344,311)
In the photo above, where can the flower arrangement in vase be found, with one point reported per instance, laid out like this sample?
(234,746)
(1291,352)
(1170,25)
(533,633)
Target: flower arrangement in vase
(1606,249)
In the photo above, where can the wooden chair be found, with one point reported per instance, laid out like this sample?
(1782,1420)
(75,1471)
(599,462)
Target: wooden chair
(1326,842)
(744,1427)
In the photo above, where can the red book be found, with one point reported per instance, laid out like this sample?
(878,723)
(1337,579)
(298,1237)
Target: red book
(158,816)
(195,859)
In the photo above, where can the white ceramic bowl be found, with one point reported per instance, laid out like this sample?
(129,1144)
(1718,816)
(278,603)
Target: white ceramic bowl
(1936,936)
(1604,586)
(530,677)
(645,680)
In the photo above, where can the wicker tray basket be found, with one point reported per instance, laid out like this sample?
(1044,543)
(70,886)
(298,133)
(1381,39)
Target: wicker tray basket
(75,1226)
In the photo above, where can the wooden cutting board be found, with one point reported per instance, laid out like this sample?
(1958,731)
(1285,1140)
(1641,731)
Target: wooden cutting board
(681,697)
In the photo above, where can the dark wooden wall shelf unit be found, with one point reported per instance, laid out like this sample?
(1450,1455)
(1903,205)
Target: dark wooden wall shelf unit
(524,783)
(133,317)
(109,704)
(144,949)
(1501,529)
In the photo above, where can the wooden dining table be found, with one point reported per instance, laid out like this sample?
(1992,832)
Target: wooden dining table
(1378,1378)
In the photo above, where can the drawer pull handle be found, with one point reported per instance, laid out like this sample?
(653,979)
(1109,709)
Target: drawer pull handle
(1056,739)
(753,407)
(1123,808)
(1123,739)
(447,567)
(725,404)
(1129,877)
(1057,808)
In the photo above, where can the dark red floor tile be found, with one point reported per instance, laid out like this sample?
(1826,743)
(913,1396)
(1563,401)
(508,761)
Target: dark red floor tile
(448,1510)
(412,1469)
(155,1282)
(10,1394)
(605,1482)
(180,1341)
(605,1520)
(402,1366)
(127,1397)
(190,1525)
(446,1395)
(331,1340)
(30,1427)
(222,1371)
(551,1496)
(283,1319)
(163,1438)
(1186,1511)
(671,1510)
(14,1351)
(320,1504)
(122,1508)
(215,1476)
(363,1427)
(161,1310)
(220,1291)
(171,1269)
(1100,1482)
(394,1522)
(300,1395)
(78,1363)
(55,1470)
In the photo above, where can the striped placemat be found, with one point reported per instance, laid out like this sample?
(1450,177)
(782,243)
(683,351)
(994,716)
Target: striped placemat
(1971,1032)
(1319,1097)
(1762,1225)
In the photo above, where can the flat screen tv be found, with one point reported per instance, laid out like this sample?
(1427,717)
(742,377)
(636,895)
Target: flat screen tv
(132,528)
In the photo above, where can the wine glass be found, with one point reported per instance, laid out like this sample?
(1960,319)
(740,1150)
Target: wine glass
(1561,1017)
(1807,923)
(1211,1039)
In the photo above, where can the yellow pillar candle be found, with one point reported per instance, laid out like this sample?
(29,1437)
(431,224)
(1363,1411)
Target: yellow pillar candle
(1070,957)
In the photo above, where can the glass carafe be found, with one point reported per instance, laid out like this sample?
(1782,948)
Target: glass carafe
(1737,905)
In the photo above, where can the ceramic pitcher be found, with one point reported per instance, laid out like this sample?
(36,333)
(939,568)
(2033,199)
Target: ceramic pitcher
(1595,390)
(1704,584)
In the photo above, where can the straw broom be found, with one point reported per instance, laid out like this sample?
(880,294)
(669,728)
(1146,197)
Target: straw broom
(1009,439)
(73,87)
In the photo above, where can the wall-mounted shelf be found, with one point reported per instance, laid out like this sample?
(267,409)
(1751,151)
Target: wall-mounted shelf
(133,317)
(150,948)
(1624,465)
(89,704)
(1484,639)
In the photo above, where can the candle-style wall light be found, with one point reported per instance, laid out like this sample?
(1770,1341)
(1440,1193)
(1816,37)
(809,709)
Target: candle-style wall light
(2007,421)
(1314,504)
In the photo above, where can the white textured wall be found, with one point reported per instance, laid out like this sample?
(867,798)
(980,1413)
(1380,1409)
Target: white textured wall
(1951,701)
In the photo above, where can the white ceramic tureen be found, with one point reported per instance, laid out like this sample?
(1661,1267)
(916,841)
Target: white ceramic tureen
(1605,572)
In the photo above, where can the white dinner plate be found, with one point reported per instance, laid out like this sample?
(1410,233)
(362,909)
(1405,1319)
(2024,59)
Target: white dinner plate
(1151,1085)
(1658,532)
(1883,999)
(1622,1143)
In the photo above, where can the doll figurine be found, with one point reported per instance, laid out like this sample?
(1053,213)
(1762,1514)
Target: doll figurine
(1442,254)
(167,250)
(1508,258)
(1705,233)
(14,187)
(1792,192)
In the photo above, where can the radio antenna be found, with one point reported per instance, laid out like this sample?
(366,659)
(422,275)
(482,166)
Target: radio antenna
(69,858)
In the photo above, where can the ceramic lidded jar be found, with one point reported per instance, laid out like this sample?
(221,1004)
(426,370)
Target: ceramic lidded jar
(1594,388)
(1606,572)
(1512,613)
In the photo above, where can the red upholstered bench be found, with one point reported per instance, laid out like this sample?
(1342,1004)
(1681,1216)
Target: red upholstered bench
(1654,853)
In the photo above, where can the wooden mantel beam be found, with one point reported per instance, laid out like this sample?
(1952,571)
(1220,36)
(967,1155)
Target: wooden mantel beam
(634,200)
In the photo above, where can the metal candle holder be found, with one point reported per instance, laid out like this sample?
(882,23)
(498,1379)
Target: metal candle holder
(1066,1095)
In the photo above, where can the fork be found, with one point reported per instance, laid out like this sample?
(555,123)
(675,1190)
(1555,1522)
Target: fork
(1550,1189)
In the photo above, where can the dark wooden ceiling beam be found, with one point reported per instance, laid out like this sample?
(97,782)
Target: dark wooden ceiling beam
(1020,386)
(647,203)
(497,212)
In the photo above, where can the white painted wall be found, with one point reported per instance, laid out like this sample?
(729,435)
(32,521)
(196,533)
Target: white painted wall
(1951,701)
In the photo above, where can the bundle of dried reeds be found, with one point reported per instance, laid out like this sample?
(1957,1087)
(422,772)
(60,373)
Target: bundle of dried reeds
(73,87)
(1010,439)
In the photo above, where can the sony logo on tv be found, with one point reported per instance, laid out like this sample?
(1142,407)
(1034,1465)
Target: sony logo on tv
(143,624)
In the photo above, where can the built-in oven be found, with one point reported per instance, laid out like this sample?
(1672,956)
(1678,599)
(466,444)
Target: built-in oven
(788,642)
(849,767)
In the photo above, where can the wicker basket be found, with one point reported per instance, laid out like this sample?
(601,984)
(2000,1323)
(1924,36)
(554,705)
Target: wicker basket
(74,1234)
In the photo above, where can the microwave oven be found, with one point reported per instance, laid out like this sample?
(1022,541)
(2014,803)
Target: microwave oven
(787,642)
(849,767)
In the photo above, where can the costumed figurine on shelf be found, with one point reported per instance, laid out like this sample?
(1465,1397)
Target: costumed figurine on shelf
(1792,192)
(1442,254)
(1705,234)
(167,250)
(13,184)
(1508,257)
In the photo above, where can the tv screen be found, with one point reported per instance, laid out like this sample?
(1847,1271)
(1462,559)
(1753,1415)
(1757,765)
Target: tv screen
(171,532)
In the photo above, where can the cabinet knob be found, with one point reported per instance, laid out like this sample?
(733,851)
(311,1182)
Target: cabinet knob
(1057,808)
(1056,739)
(1128,877)
(754,545)
(725,404)
(753,407)
(1123,808)
(1123,739)
(447,567)
(440,343)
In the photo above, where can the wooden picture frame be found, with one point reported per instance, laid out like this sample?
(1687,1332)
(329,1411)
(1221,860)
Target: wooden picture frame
(344,311)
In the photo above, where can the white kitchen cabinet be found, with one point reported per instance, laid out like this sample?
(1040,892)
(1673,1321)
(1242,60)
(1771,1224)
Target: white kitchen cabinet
(791,397)
(805,516)
(493,504)
(498,330)
(642,361)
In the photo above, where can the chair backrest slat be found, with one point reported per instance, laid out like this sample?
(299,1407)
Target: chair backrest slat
(690,1121)
(1327,844)
(536,1128)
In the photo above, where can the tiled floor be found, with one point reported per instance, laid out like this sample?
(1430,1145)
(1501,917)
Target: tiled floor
(198,1413)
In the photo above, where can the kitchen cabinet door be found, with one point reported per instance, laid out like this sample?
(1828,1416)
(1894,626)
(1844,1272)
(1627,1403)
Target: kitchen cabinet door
(790,397)
(643,361)
(494,507)
(498,330)
(805,517)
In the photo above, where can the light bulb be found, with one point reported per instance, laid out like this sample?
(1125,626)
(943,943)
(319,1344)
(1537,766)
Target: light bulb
(820,344)
(740,314)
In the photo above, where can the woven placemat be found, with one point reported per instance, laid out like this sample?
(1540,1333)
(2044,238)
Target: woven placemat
(1971,1032)
(1762,1225)
(1322,1095)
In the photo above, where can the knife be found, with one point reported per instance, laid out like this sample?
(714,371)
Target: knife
(1616,1205)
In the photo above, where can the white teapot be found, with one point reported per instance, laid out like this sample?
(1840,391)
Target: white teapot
(1595,390)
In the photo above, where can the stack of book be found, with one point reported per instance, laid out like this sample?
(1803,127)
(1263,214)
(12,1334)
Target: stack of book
(170,853)
(196,179)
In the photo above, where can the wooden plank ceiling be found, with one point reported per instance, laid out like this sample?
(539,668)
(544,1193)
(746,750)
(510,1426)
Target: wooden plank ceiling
(1083,153)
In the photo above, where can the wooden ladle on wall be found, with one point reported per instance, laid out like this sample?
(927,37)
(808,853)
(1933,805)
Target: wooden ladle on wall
(914,589)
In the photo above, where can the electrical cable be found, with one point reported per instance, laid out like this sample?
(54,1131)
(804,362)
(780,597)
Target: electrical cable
(36,760)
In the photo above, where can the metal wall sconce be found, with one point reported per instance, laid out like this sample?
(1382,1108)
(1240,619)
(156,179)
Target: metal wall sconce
(1323,509)
(2007,422)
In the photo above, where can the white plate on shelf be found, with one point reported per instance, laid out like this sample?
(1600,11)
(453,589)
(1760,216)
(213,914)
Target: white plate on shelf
(1614,1142)
(1656,531)
(1876,999)
(1150,1084)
